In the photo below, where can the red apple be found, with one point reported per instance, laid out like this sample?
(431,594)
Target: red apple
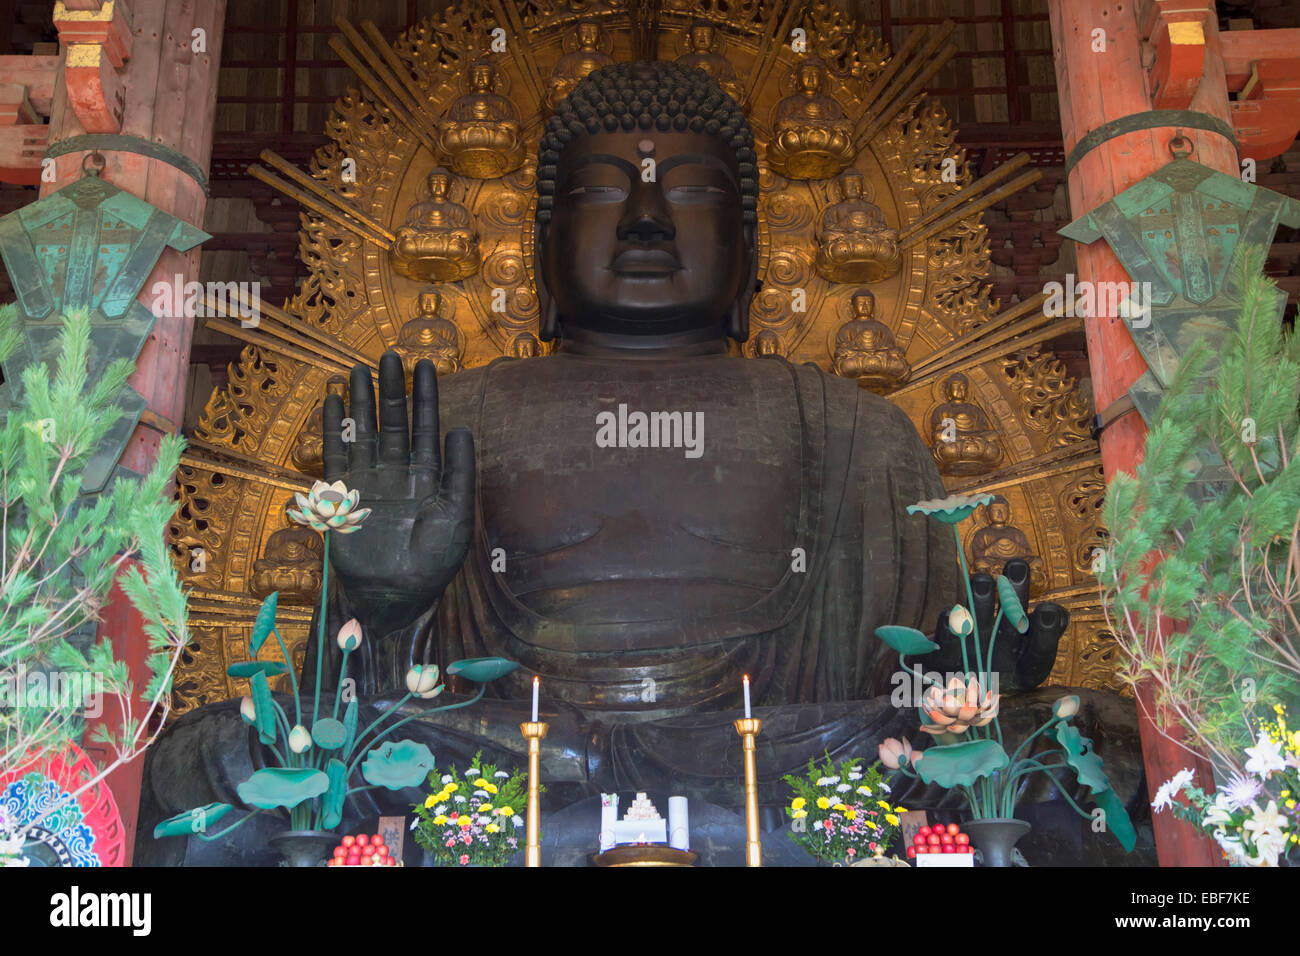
(961,839)
(919,839)
(349,840)
(382,850)
(911,852)
(924,831)
(954,829)
(933,839)
(377,840)
(362,839)
(949,848)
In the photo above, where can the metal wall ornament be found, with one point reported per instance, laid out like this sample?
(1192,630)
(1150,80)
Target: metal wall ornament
(931,295)
(87,245)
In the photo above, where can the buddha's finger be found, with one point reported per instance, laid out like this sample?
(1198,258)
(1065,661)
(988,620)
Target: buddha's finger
(1046,625)
(984,591)
(361,410)
(334,453)
(1016,571)
(457,486)
(394,435)
(425,460)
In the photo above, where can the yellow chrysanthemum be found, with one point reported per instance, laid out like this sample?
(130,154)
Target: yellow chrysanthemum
(451,788)
(883,805)
(823,803)
(485,808)
(891,819)
(900,809)
(839,806)
(492,828)
(431,801)
(481,783)
(465,821)
(865,791)
(798,814)
(798,803)
(439,820)
(850,813)
(506,811)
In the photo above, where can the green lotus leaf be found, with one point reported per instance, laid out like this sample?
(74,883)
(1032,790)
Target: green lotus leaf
(1078,753)
(951,510)
(1010,604)
(264,623)
(273,787)
(249,668)
(960,765)
(350,725)
(265,708)
(906,640)
(398,764)
(329,734)
(481,670)
(197,820)
(332,805)
(1117,819)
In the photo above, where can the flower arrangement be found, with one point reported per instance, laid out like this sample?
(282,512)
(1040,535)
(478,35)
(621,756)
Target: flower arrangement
(473,818)
(962,716)
(317,759)
(1248,834)
(840,813)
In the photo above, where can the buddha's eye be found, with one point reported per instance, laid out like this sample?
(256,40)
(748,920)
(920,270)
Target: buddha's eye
(693,193)
(598,194)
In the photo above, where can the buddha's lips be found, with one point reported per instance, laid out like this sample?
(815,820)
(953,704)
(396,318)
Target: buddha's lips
(646,261)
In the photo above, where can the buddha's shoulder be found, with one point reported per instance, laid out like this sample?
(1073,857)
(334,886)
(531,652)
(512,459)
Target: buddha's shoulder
(840,392)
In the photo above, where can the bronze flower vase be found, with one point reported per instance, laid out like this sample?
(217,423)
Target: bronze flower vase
(304,847)
(996,838)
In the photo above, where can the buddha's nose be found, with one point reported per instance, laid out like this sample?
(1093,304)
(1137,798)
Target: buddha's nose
(646,218)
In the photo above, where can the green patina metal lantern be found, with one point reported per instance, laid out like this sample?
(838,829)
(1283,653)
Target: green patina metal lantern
(88,245)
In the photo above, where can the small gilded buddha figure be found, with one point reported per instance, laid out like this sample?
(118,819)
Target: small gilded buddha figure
(705,54)
(962,441)
(479,135)
(429,335)
(994,545)
(576,64)
(865,349)
(767,344)
(812,136)
(854,243)
(438,243)
(525,345)
(290,564)
(307,449)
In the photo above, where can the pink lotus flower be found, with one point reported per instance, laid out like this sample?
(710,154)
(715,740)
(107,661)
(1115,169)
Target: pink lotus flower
(894,752)
(958,707)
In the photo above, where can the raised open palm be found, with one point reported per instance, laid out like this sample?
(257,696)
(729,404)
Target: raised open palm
(415,539)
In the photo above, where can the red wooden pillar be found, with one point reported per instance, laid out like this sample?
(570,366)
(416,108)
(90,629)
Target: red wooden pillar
(154,78)
(1097,86)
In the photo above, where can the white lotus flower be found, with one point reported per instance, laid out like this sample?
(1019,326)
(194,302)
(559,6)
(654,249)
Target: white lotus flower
(422,681)
(1066,707)
(959,621)
(299,739)
(247,710)
(1265,756)
(329,507)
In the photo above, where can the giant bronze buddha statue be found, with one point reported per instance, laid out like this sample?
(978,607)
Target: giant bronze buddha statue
(640,582)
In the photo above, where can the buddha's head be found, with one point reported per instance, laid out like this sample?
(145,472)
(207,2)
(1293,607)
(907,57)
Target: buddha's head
(811,76)
(428,303)
(999,511)
(439,184)
(864,304)
(957,387)
(851,184)
(646,218)
(588,34)
(701,36)
(481,76)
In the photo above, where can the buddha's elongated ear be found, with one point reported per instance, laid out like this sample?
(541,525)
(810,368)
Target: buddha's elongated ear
(548,324)
(738,317)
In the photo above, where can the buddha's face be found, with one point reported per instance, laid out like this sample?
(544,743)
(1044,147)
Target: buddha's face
(810,78)
(864,306)
(428,303)
(628,257)
(957,388)
(588,35)
(702,39)
(439,183)
(999,512)
(481,78)
(851,187)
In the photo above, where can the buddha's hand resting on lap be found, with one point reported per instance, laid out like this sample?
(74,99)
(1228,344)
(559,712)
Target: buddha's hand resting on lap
(1020,661)
(410,547)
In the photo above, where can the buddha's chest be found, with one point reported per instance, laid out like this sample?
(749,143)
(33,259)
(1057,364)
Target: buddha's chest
(628,471)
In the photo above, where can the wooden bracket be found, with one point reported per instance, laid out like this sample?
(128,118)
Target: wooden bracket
(98,43)
(1176,29)
(21,149)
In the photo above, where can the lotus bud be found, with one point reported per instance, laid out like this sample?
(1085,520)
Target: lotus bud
(299,739)
(894,752)
(246,709)
(959,621)
(1066,707)
(422,681)
(349,637)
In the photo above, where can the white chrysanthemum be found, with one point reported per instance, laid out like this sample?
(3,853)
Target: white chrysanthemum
(501,773)
(458,798)
(517,821)
(885,787)
(446,778)
(828,781)
(1240,791)
(855,776)
(844,788)
(481,793)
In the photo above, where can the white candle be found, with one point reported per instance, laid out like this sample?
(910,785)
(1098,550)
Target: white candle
(536,683)
(679,828)
(608,820)
(748,712)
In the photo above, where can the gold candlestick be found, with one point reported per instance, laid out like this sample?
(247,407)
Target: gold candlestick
(533,732)
(748,728)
